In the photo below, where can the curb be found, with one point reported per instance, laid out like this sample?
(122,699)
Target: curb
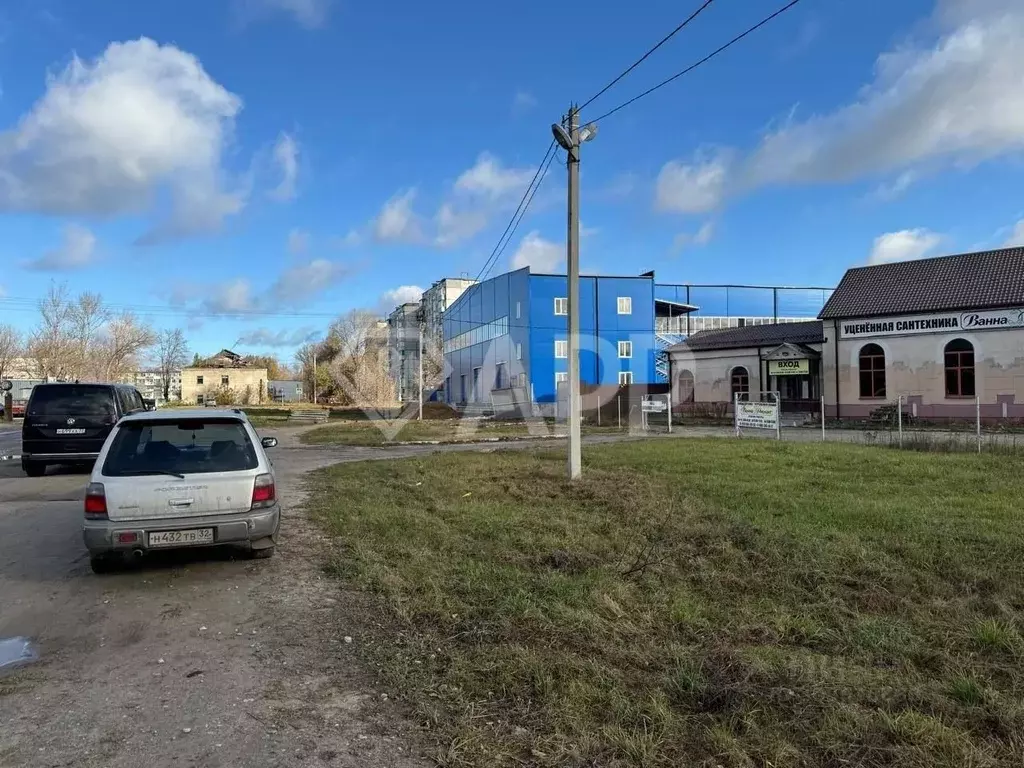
(10,457)
(474,442)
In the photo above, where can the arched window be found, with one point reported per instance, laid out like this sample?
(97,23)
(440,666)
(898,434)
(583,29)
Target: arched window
(686,385)
(872,371)
(740,383)
(959,368)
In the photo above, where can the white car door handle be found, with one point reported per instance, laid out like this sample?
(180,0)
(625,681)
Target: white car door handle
(180,502)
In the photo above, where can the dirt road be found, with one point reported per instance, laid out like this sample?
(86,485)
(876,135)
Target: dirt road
(197,659)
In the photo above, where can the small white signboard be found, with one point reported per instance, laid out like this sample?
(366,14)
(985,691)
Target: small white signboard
(654,406)
(757,415)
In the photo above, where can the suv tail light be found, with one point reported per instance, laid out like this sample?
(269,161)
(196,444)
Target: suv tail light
(95,502)
(264,494)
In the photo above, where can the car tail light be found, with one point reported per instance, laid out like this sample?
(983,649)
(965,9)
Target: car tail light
(264,493)
(95,502)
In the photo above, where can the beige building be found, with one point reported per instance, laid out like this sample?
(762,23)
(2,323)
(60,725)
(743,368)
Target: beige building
(224,373)
(945,336)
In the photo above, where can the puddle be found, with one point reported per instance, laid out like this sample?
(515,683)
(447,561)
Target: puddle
(16,650)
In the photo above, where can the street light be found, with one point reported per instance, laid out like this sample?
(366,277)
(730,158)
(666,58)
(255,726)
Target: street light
(570,141)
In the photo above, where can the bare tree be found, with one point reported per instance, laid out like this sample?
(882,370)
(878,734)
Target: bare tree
(172,355)
(10,348)
(49,346)
(87,317)
(123,340)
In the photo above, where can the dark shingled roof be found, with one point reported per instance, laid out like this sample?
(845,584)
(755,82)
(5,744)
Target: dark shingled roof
(987,279)
(754,336)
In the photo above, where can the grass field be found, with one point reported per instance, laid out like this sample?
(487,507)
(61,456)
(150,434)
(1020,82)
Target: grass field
(696,603)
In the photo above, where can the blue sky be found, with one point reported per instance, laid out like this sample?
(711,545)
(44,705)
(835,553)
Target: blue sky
(195,160)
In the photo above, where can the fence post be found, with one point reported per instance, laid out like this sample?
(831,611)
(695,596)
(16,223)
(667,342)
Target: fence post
(669,413)
(823,418)
(977,419)
(899,418)
(598,398)
(618,402)
(736,413)
(778,416)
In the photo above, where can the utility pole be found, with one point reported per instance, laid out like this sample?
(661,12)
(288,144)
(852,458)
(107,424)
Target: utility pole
(419,359)
(570,141)
(314,377)
(573,264)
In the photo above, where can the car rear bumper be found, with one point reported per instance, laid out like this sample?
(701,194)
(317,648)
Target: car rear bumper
(103,536)
(58,458)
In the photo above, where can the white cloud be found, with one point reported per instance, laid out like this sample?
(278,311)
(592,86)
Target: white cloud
(286,158)
(523,102)
(298,242)
(702,236)
(489,179)
(403,294)
(264,337)
(905,245)
(695,187)
(297,284)
(455,226)
(397,222)
(77,250)
(954,100)
(539,254)
(109,134)
(309,13)
(891,190)
(352,239)
(1016,238)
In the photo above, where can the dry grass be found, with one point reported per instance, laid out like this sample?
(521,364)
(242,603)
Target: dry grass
(697,603)
(375,432)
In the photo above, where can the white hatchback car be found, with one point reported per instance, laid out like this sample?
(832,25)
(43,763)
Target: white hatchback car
(185,478)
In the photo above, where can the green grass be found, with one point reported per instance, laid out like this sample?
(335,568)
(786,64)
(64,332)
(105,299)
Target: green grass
(696,603)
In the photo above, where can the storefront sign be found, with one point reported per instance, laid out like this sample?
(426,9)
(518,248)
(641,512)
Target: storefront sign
(757,415)
(789,367)
(945,322)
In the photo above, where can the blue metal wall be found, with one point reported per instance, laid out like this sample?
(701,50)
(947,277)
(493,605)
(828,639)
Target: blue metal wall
(601,328)
(480,309)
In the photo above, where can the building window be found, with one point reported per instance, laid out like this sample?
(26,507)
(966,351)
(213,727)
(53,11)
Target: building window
(519,351)
(740,383)
(686,386)
(872,371)
(625,378)
(561,306)
(561,348)
(501,376)
(625,305)
(223,381)
(625,349)
(519,310)
(199,380)
(959,368)
(560,378)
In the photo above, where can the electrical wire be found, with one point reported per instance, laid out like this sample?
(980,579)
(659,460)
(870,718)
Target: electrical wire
(694,66)
(523,215)
(641,60)
(522,201)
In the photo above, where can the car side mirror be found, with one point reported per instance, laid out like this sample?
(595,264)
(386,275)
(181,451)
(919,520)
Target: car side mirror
(269,442)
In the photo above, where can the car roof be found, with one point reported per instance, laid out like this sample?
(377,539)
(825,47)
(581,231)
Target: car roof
(173,414)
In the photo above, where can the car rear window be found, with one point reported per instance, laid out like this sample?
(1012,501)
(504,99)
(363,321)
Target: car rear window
(185,446)
(72,400)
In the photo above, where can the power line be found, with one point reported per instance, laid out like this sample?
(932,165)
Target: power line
(515,226)
(526,193)
(641,60)
(694,66)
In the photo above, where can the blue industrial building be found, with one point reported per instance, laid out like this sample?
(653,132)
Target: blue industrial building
(512,331)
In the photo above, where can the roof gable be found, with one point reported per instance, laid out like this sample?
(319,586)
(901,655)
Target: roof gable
(986,279)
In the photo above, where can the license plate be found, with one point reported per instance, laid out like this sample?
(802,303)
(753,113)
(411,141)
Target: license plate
(181,538)
(70,431)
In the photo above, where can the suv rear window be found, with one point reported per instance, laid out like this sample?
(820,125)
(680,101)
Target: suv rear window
(72,400)
(185,446)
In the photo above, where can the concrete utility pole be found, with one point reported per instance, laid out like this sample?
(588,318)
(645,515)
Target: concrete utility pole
(419,360)
(570,141)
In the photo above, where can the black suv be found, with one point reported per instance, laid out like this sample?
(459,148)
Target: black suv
(68,423)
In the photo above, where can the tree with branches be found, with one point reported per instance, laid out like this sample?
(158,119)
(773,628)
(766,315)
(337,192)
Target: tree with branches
(172,355)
